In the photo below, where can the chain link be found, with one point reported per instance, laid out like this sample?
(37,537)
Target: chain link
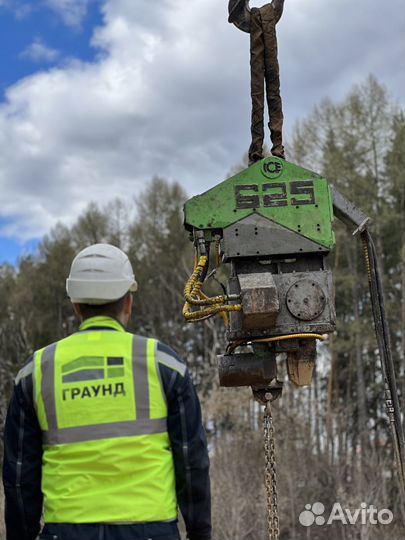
(270,474)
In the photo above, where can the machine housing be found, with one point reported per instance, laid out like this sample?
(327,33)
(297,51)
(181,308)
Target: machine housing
(274,224)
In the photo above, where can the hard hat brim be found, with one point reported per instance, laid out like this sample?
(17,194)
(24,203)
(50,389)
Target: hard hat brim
(100,292)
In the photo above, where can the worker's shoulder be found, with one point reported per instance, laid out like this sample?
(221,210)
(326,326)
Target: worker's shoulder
(26,371)
(43,354)
(166,356)
(29,367)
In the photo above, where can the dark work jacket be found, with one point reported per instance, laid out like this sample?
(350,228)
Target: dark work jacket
(23,462)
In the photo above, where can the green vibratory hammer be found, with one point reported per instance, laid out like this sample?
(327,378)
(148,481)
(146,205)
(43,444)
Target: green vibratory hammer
(272,224)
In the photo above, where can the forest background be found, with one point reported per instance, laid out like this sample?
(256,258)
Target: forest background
(333,439)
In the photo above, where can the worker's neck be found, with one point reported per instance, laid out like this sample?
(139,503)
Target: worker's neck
(123,319)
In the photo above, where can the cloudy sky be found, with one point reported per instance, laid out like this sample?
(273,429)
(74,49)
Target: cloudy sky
(98,96)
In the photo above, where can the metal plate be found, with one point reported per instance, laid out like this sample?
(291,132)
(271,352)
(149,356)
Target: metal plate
(306,300)
(298,200)
(256,236)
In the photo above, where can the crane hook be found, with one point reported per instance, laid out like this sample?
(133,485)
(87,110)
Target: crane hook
(239,13)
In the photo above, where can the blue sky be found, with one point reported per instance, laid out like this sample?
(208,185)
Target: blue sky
(99,96)
(19,30)
(21,25)
(11,249)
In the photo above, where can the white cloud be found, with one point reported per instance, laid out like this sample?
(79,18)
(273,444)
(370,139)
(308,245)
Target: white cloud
(169,95)
(23,11)
(38,51)
(71,11)
(20,9)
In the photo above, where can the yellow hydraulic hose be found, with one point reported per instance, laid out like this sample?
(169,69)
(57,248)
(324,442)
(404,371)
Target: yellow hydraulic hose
(291,336)
(366,256)
(193,288)
(236,344)
(208,311)
(195,297)
(224,314)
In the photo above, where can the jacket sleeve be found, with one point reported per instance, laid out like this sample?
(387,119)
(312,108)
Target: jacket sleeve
(22,462)
(189,445)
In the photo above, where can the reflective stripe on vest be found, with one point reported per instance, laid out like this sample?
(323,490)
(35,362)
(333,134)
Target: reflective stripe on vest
(103,413)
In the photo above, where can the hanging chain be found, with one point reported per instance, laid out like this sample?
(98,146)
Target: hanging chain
(270,474)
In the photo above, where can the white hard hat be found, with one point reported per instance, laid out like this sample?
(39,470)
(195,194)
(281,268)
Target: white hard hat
(99,275)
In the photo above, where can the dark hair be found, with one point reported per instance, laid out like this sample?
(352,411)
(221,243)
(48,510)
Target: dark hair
(113,309)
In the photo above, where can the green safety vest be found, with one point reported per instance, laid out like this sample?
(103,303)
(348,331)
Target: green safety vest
(103,414)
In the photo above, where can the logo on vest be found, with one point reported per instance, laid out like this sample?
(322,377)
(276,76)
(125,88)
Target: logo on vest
(93,368)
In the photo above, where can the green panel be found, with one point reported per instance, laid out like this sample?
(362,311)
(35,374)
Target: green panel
(294,197)
(113,372)
(83,362)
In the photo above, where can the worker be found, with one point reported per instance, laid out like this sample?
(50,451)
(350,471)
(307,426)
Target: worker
(104,432)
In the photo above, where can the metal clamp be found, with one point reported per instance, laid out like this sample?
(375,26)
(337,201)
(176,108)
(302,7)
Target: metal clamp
(270,393)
